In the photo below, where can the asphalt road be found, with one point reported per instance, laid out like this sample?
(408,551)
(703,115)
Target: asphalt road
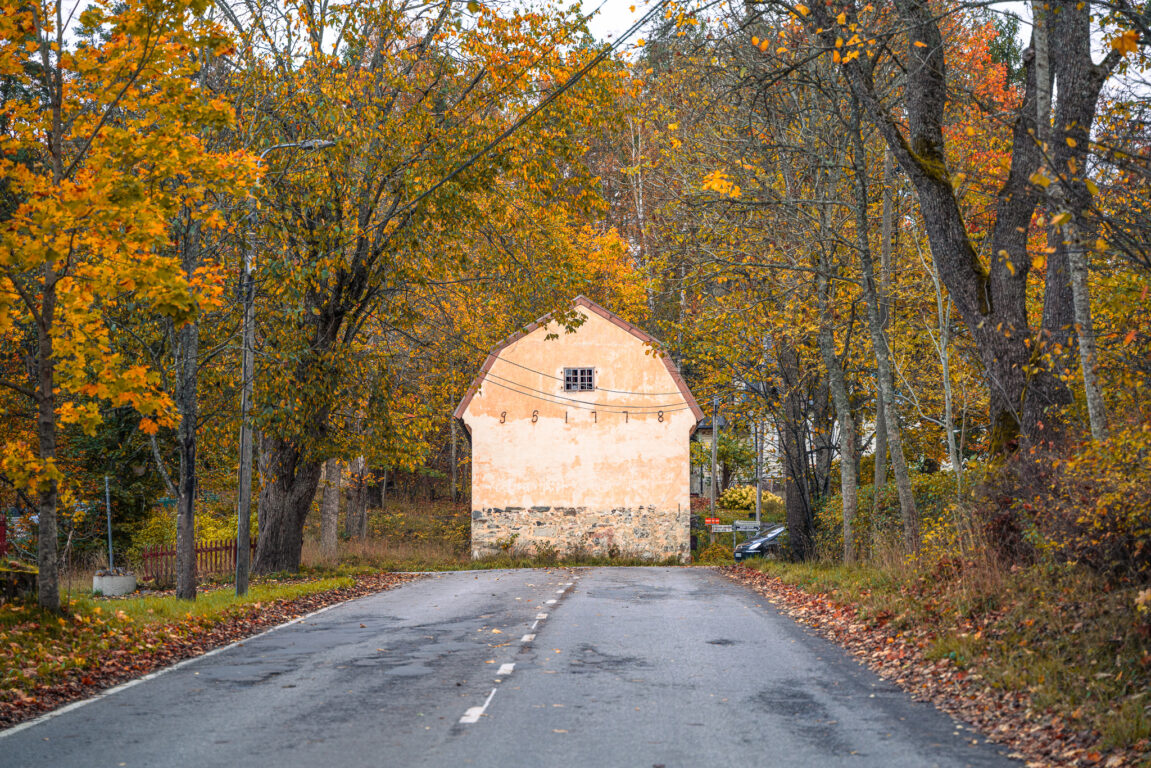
(647,667)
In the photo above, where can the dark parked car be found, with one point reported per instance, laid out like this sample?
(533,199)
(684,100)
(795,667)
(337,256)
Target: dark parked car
(765,543)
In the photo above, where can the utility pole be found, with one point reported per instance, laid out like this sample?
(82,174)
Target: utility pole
(757,431)
(714,449)
(108,510)
(248,362)
(453,418)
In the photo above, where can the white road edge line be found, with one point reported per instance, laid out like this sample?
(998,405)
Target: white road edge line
(474,713)
(153,675)
(550,602)
(527,638)
(535,624)
(506,669)
(541,616)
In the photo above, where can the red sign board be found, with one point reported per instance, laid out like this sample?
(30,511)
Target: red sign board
(711,521)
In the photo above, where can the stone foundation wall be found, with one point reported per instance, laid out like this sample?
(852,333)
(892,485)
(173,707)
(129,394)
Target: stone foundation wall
(646,532)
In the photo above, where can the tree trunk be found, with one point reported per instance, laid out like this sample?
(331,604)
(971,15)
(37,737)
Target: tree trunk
(1088,356)
(330,510)
(943,349)
(879,476)
(885,375)
(361,499)
(793,440)
(879,479)
(848,479)
(452,458)
(285,499)
(187,404)
(349,493)
(289,475)
(1080,82)
(992,302)
(48,590)
(356,512)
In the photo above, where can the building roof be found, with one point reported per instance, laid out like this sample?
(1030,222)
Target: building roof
(705,424)
(591,306)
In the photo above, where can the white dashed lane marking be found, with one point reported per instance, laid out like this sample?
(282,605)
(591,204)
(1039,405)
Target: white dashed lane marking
(474,714)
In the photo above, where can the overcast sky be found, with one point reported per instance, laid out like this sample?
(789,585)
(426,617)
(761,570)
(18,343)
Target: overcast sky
(614,17)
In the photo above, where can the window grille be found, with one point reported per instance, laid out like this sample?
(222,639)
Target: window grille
(579,379)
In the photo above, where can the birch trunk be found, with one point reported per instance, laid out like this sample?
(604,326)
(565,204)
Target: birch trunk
(848,479)
(943,349)
(886,380)
(879,479)
(356,515)
(1088,356)
(330,510)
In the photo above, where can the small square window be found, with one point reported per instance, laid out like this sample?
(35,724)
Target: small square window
(579,379)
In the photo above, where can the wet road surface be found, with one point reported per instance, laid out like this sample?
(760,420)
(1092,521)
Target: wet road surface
(648,667)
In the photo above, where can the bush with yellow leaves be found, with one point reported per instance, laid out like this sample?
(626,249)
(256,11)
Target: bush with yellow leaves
(743,497)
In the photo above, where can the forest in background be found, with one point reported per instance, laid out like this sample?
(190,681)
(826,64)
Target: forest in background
(913,238)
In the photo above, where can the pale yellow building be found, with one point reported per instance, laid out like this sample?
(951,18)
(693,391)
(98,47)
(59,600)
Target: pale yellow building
(580,442)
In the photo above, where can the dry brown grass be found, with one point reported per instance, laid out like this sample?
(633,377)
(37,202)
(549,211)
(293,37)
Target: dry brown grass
(387,554)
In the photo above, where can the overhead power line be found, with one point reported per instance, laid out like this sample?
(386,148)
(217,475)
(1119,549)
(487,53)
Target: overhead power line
(624,406)
(592,406)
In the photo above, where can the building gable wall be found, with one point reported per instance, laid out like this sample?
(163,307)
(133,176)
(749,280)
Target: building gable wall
(605,471)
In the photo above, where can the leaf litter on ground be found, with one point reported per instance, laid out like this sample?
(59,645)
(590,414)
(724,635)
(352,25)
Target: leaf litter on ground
(897,654)
(47,661)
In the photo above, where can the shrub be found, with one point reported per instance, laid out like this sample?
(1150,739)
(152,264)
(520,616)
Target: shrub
(738,497)
(743,497)
(158,529)
(1085,504)
(716,554)
(877,525)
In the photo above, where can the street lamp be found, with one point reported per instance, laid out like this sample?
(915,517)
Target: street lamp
(248,293)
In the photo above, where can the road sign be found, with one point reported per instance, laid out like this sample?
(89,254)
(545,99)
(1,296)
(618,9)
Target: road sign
(746,525)
(711,521)
(721,529)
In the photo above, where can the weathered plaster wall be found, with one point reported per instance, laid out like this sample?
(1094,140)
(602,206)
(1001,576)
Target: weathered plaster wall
(573,469)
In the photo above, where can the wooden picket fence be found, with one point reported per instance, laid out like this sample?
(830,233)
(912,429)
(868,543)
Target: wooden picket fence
(212,557)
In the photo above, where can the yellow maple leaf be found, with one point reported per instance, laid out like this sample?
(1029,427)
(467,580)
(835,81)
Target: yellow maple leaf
(1126,43)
